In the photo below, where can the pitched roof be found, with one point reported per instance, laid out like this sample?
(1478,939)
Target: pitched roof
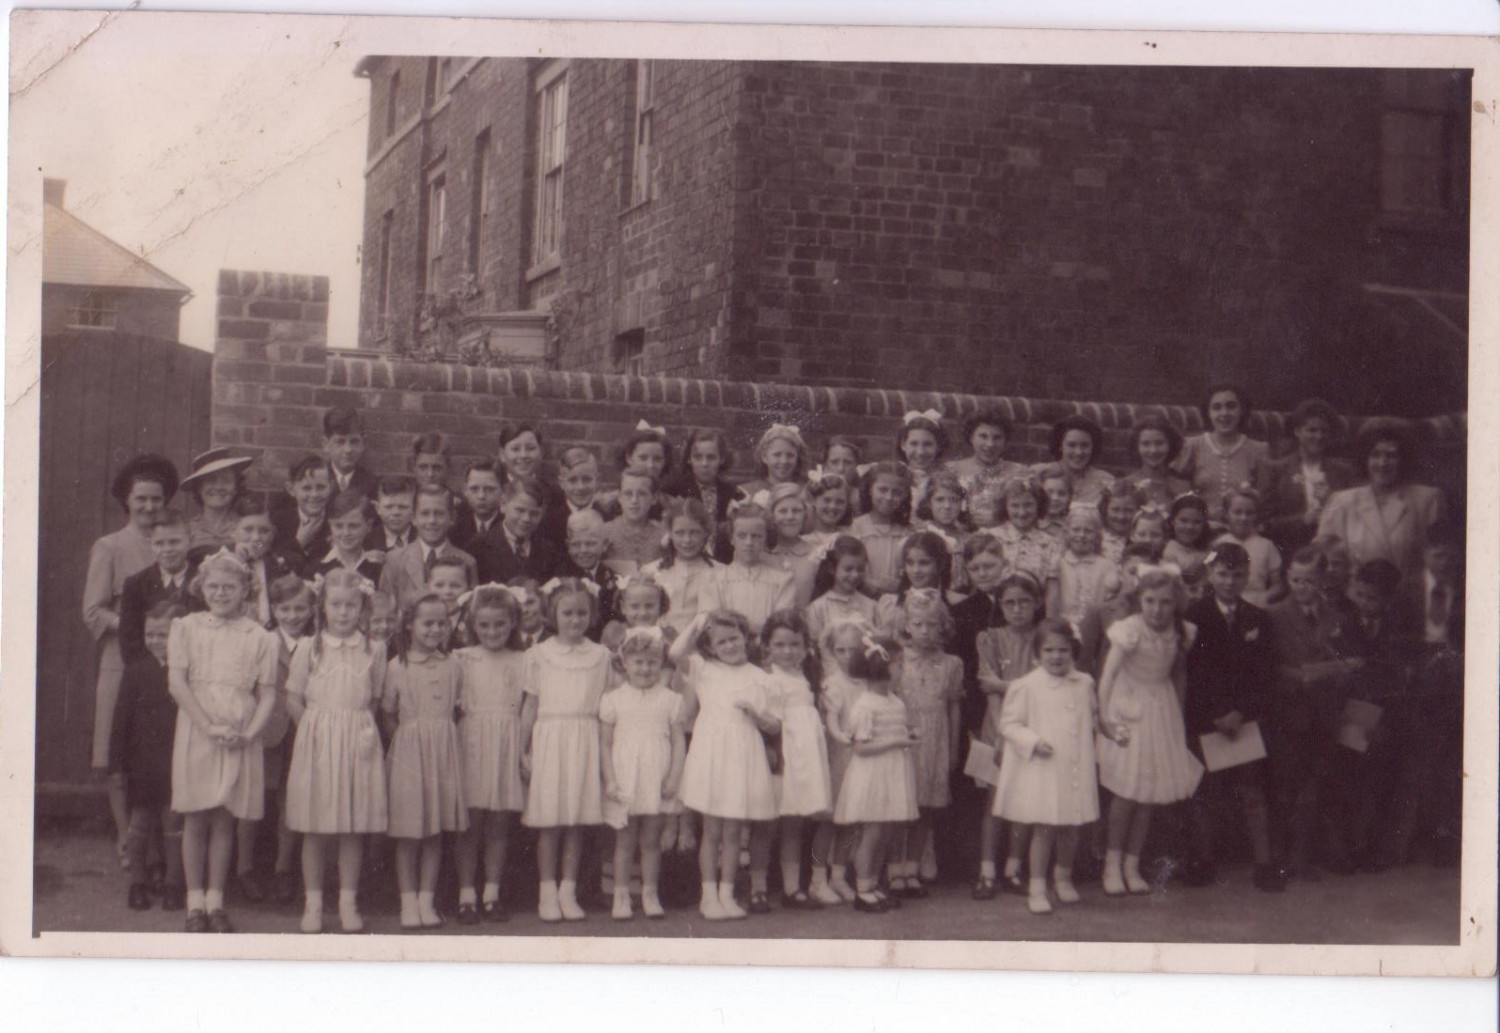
(76,253)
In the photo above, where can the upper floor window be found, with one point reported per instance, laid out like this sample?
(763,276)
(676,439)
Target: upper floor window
(392,98)
(1423,160)
(383,287)
(479,198)
(96,310)
(645,114)
(437,214)
(551,150)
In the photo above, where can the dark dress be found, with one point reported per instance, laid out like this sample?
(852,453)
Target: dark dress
(140,745)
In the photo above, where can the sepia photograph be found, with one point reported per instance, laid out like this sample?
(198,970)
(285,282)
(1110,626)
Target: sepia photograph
(924,500)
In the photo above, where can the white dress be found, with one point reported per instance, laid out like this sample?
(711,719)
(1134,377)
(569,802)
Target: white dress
(882,544)
(337,778)
(881,786)
(424,777)
(490,729)
(1061,789)
(831,608)
(222,662)
(683,583)
(837,701)
(803,786)
(1155,765)
(727,774)
(756,592)
(641,751)
(567,783)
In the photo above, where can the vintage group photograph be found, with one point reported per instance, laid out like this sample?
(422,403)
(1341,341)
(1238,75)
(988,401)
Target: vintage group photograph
(702,496)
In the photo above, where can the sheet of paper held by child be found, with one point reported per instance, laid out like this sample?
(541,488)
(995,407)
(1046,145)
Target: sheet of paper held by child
(772,496)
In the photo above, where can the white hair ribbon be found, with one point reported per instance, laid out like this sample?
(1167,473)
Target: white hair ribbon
(929,414)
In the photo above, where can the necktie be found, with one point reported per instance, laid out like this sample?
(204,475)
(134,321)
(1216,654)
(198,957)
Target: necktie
(523,548)
(428,564)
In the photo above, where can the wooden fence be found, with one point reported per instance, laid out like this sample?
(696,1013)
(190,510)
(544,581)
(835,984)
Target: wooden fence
(105,397)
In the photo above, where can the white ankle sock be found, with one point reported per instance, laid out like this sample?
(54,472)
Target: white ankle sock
(213,900)
(348,900)
(492,893)
(466,895)
(314,901)
(195,901)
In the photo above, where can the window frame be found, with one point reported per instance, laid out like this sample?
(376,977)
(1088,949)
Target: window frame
(643,137)
(435,229)
(549,141)
(105,305)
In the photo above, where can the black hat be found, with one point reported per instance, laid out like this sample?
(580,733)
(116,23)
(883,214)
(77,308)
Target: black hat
(146,466)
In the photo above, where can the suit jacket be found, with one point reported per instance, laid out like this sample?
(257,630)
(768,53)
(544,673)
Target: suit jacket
(286,520)
(375,541)
(1355,516)
(405,575)
(465,530)
(280,722)
(274,564)
(141,592)
(1228,667)
(609,588)
(361,480)
(554,525)
(974,614)
(145,722)
(499,563)
(369,567)
(1279,482)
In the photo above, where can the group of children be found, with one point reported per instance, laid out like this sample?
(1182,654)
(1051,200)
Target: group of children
(861,668)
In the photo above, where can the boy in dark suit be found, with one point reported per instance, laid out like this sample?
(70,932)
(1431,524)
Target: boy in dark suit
(343,448)
(167,580)
(517,550)
(1230,668)
(302,528)
(396,499)
(1441,679)
(477,515)
(254,542)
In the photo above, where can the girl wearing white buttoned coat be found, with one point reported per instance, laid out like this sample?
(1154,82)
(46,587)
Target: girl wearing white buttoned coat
(1048,775)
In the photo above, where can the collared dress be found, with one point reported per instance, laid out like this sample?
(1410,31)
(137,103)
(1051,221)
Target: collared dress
(1033,550)
(113,558)
(423,772)
(222,662)
(684,584)
(976,477)
(1085,583)
(881,786)
(797,558)
(1061,789)
(490,730)
(337,783)
(831,608)
(1155,766)
(567,780)
(1212,471)
(882,544)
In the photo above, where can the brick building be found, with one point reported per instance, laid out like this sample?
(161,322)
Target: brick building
(92,284)
(1050,232)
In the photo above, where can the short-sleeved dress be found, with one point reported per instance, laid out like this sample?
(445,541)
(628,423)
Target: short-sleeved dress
(1213,471)
(490,730)
(222,661)
(423,771)
(882,786)
(683,583)
(1033,550)
(802,788)
(1155,766)
(726,774)
(798,560)
(837,701)
(337,781)
(567,782)
(1004,654)
(1061,789)
(1084,583)
(929,684)
(756,592)
(641,751)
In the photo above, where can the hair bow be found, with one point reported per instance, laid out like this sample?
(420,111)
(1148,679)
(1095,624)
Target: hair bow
(666,540)
(315,586)
(873,648)
(366,587)
(819,554)
(643,425)
(1169,569)
(651,631)
(642,577)
(1153,507)
(464,599)
(1210,558)
(926,595)
(930,414)
(815,474)
(786,428)
(761,498)
(864,468)
(231,557)
(589,586)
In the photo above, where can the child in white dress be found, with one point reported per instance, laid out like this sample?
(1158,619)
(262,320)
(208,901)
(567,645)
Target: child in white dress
(802,789)
(565,677)
(726,778)
(336,787)
(832,847)
(1242,507)
(490,735)
(642,758)
(424,775)
(1047,779)
(1085,579)
(221,670)
(685,567)
(1143,755)
(879,793)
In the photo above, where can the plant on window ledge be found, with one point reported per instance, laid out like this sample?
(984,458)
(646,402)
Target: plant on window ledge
(440,319)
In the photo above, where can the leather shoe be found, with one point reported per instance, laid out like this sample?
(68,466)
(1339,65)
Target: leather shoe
(218,922)
(139,897)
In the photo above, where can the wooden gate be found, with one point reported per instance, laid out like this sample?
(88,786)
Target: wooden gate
(105,397)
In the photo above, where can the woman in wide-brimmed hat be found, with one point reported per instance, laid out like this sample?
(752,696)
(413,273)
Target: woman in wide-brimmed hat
(142,487)
(217,479)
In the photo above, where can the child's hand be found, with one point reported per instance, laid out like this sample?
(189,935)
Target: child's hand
(1043,749)
(669,788)
(1230,723)
(526,766)
(1119,734)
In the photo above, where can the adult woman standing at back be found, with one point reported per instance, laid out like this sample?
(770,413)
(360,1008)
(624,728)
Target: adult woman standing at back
(1223,456)
(143,487)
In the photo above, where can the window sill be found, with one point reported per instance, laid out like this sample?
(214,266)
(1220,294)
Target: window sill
(543,268)
(637,206)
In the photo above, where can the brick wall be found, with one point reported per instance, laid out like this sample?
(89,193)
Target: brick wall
(274,377)
(1123,233)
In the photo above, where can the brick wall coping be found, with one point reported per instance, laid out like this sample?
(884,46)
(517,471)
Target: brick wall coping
(362,368)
